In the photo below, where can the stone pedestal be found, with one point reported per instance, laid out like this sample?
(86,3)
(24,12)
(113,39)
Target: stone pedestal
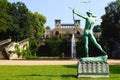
(93,69)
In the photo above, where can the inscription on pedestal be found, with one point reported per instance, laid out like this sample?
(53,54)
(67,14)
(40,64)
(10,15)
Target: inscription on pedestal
(93,69)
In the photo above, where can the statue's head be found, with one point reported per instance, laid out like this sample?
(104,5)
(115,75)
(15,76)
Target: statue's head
(89,13)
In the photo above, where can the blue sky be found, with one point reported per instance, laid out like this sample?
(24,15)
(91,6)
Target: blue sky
(59,9)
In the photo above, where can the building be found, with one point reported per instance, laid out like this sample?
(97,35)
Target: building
(64,28)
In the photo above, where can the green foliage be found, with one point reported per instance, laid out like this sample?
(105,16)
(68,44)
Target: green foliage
(18,23)
(48,28)
(17,50)
(59,45)
(62,55)
(56,46)
(19,26)
(36,31)
(97,28)
(37,26)
(20,20)
(24,52)
(111,25)
(111,21)
(34,45)
(4,17)
(80,47)
(31,57)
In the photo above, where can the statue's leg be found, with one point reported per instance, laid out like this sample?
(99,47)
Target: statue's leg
(96,44)
(86,45)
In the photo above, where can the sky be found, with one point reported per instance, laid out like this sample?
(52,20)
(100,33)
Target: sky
(59,9)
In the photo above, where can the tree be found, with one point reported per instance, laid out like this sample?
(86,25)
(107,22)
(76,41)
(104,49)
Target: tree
(111,21)
(97,28)
(111,26)
(17,22)
(48,28)
(37,28)
(19,27)
(3,15)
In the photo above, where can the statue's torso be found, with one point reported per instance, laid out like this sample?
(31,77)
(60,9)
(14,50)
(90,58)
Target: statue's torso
(89,23)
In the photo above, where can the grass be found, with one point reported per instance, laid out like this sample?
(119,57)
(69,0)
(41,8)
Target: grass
(50,73)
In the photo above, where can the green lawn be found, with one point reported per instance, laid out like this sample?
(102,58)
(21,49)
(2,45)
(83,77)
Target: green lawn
(49,73)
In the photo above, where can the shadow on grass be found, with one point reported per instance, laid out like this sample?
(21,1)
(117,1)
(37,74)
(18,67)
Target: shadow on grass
(71,66)
(73,76)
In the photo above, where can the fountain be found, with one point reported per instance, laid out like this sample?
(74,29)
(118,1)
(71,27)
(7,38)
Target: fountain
(73,47)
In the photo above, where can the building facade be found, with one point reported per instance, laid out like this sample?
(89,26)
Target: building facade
(64,28)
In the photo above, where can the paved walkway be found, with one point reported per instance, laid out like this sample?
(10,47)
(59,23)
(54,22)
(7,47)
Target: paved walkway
(48,62)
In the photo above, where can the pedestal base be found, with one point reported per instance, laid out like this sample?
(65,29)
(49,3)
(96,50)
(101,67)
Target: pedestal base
(93,69)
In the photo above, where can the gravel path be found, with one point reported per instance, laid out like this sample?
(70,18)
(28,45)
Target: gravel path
(49,62)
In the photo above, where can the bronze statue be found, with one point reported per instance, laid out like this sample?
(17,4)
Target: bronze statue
(88,34)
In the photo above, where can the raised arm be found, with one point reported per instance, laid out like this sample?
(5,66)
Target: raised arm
(78,14)
(95,17)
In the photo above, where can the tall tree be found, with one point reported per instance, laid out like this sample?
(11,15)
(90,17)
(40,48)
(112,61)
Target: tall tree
(20,21)
(36,30)
(111,21)
(111,26)
(3,15)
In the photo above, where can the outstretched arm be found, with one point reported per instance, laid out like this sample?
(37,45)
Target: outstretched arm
(95,17)
(78,14)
